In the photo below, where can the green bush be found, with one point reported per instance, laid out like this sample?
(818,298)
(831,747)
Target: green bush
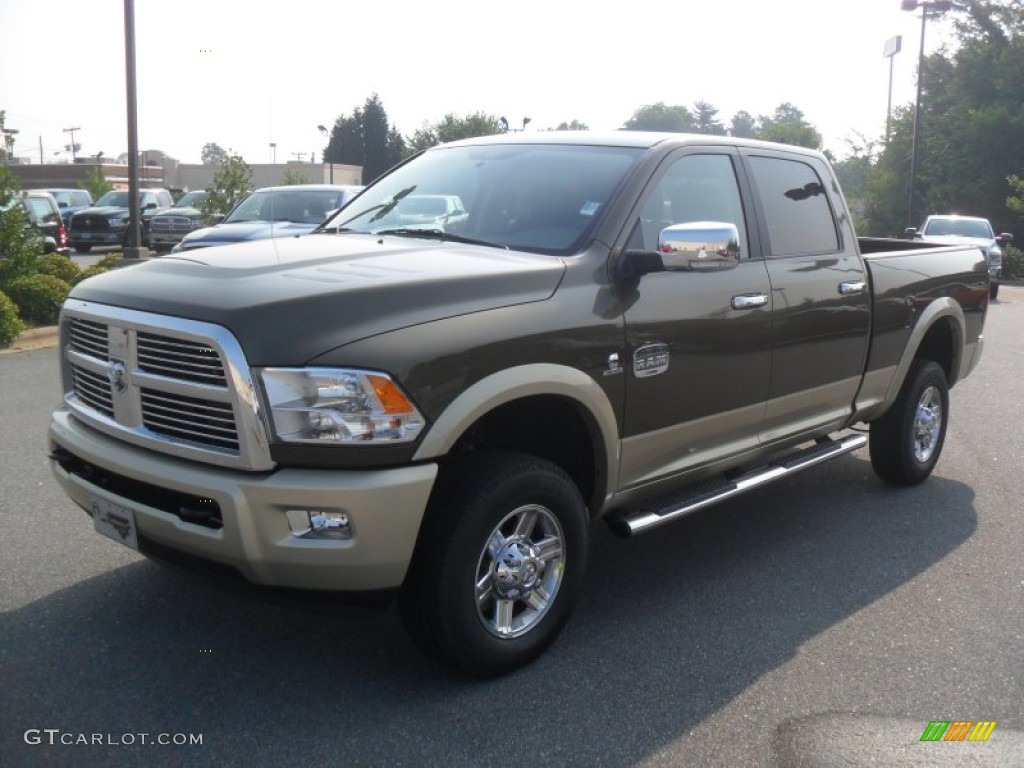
(39,297)
(10,323)
(1013,262)
(58,266)
(110,261)
(85,274)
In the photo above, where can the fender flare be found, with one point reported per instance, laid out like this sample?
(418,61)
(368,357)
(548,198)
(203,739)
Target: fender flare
(937,310)
(519,382)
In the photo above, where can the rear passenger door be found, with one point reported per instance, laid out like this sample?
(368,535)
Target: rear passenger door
(698,342)
(820,295)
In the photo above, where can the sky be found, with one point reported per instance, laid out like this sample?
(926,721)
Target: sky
(245,75)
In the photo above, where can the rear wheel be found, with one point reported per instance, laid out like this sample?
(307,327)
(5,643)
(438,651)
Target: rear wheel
(906,442)
(499,563)
(83,248)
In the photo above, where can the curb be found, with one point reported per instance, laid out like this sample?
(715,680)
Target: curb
(34,338)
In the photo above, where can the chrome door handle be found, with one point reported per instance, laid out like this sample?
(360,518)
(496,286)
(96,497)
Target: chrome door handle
(749,300)
(856,286)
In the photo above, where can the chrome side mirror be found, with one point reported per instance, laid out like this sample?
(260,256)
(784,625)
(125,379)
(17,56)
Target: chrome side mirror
(699,246)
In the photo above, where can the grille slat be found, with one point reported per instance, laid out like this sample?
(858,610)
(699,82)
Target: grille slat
(93,390)
(180,358)
(90,338)
(189,418)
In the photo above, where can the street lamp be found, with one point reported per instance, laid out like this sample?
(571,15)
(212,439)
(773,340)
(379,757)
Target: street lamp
(324,131)
(937,7)
(273,152)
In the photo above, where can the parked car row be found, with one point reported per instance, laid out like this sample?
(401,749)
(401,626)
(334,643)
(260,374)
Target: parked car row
(67,218)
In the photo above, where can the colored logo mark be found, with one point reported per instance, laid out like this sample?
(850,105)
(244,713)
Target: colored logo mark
(958,730)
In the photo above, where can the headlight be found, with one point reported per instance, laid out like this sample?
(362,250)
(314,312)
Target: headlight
(118,223)
(339,405)
(196,223)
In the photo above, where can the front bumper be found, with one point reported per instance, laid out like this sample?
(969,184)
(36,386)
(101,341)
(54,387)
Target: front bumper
(113,237)
(385,508)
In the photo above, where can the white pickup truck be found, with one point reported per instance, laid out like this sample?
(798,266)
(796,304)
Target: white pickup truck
(967,230)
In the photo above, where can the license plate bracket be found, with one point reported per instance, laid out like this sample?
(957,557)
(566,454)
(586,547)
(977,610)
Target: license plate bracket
(115,521)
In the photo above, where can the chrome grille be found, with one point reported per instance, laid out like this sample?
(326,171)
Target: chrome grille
(189,418)
(171,224)
(89,338)
(181,359)
(172,385)
(93,390)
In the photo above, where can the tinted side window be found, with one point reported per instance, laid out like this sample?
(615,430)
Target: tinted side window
(796,207)
(695,188)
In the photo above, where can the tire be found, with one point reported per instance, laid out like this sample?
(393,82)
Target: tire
(499,563)
(993,290)
(83,248)
(907,440)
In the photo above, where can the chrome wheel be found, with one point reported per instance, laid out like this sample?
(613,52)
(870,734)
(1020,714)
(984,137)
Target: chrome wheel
(927,424)
(519,571)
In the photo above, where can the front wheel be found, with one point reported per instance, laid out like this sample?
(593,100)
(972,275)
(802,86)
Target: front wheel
(499,563)
(906,442)
(83,248)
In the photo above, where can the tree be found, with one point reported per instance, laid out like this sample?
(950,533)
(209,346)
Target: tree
(365,138)
(454,128)
(214,154)
(787,126)
(7,150)
(230,183)
(292,177)
(1015,202)
(660,117)
(705,117)
(743,125)
(575,125)
(96,182)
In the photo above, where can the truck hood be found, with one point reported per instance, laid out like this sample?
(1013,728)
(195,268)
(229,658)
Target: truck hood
(290,300)
(981,242)
(237,232)
(104,210)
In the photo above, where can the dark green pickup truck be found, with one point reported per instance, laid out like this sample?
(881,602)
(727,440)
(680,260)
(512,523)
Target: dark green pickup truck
(496,344)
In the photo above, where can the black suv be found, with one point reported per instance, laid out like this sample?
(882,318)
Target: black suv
(106,223)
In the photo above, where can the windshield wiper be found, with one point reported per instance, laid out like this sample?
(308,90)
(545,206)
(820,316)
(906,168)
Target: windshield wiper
(435,234)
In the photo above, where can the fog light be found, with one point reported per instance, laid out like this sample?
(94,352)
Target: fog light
(318,524)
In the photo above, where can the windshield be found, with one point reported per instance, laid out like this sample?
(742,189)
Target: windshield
(544,198)
(304,206)
(191,199)
(115,197)
(959,228)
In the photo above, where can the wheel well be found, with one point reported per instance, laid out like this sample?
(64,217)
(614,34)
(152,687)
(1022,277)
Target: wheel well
(553,427)
(937,345)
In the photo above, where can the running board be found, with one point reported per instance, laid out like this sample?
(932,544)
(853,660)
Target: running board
(627,524)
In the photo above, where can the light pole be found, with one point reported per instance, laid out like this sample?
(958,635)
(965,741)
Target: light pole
(73,146)
(273,152)
(937,6)
(324,131)
(892,47)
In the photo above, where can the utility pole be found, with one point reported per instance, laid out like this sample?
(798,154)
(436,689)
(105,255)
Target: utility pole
(74,147)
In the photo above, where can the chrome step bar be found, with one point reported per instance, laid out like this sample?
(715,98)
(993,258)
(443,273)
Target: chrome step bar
(627,524)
